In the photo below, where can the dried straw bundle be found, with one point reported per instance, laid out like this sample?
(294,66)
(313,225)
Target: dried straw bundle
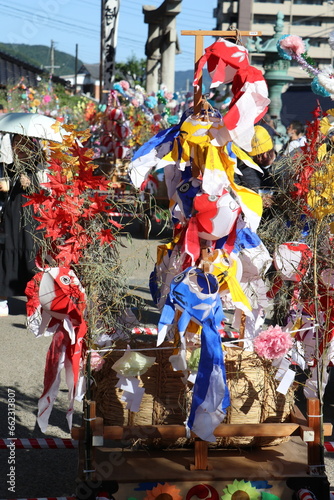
(167,400)
(254,398)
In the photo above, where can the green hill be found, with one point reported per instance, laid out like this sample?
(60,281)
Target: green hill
(40,56)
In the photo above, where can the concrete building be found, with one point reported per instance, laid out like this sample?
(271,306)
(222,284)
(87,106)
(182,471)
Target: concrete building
(312,20)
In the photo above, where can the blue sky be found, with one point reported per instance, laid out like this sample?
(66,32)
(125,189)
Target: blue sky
(71,22)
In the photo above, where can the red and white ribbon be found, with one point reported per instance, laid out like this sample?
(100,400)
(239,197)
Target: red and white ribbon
(119,214)
(39,444)
(228,334)
(147,331)
(329,446)
(305,495)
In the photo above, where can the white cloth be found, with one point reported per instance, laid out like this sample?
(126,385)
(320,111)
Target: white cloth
(296,143)
(6,151)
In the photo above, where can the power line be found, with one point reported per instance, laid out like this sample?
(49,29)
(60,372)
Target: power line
(27,15)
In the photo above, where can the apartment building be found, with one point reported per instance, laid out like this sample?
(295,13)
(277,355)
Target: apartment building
(312,20)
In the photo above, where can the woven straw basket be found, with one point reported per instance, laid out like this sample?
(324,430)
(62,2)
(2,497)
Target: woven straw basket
(254,398)
(167,400)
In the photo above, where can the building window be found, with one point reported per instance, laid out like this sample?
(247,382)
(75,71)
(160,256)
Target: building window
(315,42)
(307,21)
(323,61)
(258,19)
(313,2)
(258,60)
(270,1)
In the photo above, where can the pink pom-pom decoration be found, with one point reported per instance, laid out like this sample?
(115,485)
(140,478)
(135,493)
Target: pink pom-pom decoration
(96,361)
(293,44)
(272,343)
(135,103)
(125,85)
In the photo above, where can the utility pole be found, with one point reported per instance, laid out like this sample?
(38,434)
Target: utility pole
(102,35)
(52,61)
(76,69)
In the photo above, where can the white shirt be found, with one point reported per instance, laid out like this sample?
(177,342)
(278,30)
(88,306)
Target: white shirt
(295,143)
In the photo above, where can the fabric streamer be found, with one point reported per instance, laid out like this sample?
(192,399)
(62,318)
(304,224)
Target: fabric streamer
(228,62)
(195,294)
(56,306)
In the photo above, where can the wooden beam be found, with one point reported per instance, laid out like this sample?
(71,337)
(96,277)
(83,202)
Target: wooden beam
(174,432)
(178,431)
(231,33)
(306,433)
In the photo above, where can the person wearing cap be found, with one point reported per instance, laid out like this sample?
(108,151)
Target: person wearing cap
(263,153)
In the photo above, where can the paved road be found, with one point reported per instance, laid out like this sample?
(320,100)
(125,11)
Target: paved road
(51,473)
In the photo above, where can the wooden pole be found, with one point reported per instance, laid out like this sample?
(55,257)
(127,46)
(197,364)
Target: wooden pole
(101,51)
(200,455)
(315,450)
(242,329)
(198,90)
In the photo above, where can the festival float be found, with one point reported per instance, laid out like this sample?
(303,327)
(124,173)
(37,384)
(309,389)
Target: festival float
(206,408)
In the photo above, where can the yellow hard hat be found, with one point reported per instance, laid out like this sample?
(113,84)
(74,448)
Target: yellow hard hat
(261,141)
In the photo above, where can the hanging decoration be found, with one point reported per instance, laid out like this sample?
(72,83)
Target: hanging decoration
(56,306)
(128,368)
(293,47)
(195,294)
(213,214)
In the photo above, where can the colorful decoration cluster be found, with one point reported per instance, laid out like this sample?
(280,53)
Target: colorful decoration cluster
(237,489)
(293,47)
(307,208)
(47,99)
(215,259)
(32,100)
(129,119)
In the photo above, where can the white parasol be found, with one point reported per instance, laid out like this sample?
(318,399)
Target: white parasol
(31,125)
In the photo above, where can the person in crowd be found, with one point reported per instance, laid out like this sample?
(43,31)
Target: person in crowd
(297,138)
(19,240)
(269,121)
(263,153)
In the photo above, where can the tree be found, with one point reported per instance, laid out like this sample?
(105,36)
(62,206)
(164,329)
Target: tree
(133,70)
